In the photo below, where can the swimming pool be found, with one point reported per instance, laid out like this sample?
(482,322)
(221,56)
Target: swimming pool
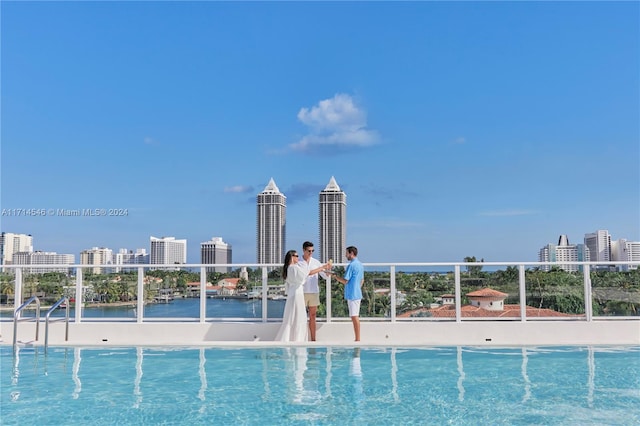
(320,385)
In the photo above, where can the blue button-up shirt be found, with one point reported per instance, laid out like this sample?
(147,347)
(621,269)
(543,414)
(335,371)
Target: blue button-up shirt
(354,276)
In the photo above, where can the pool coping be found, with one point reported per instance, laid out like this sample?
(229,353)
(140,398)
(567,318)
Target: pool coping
(259,334)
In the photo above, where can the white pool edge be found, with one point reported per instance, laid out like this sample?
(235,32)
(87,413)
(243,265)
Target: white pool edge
(247,334)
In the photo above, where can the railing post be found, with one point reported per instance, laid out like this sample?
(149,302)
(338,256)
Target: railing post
(17,291)
(392,276)
(79,298)
(457,293)
(523,293)
(66,320)
(265,289)
(203,294)
(328,297)
(140,301)
(588,294)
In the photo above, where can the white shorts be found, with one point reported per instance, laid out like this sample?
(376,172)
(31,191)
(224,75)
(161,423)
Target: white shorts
(354,307)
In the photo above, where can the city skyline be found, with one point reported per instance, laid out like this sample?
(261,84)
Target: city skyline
(608,249)
(457,129)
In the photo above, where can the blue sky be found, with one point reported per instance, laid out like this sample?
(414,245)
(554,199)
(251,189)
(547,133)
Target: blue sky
(456,129)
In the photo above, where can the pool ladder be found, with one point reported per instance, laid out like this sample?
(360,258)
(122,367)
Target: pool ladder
(17,319)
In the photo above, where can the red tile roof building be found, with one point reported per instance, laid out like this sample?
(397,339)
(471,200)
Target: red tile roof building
(485,303)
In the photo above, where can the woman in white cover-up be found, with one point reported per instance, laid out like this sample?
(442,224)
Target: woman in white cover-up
(294,320)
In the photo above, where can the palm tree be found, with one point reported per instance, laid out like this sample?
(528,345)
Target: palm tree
(7,286)
(30,283)
(472,270)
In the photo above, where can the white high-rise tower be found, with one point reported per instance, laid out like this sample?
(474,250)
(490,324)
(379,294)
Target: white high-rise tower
(599,244)
(168,250)
(333,223)
(13,243)
(214,252)
(563,252)
(97,256)
(271,224)
(625,251)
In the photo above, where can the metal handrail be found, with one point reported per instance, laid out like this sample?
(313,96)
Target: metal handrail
(17,319)
(66,319)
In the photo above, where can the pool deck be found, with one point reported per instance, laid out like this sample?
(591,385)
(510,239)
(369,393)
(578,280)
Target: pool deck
(336,333)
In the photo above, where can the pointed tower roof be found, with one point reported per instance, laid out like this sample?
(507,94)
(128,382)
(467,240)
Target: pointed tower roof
(271,187)
(332,185)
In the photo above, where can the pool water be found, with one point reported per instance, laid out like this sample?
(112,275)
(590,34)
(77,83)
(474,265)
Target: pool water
(321,386)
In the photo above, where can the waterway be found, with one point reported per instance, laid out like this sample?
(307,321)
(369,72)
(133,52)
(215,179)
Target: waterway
(178,308)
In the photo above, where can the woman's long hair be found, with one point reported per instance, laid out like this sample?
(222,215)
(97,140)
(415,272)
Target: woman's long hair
(287,261)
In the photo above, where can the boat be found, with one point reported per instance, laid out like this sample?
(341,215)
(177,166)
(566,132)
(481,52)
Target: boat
(165,296)
(254,294)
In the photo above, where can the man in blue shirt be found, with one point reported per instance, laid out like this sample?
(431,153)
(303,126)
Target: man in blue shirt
(353,280)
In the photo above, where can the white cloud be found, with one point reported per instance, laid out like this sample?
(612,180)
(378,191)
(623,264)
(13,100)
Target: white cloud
(149,140)
(238,189)
(336,122)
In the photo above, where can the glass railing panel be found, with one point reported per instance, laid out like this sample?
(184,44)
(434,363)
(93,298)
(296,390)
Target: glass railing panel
(615,291)
(276,298)
(104,295)
(107,294)
(165,291)
(425,293)
(555,293)
(375,302)
(376,295)
(339,307)
(47,285)
(7,293)
(233,297)
(490,292)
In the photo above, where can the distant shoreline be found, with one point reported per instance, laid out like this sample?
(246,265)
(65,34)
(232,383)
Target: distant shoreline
(86,305)
(134,303)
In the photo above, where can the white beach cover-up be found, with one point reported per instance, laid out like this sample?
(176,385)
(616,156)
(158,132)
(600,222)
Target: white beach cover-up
(294,320)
